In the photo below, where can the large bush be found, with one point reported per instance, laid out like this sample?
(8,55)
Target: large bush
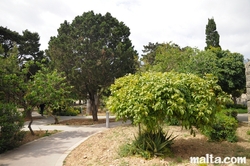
(223,128)
(11,123)
(150,99)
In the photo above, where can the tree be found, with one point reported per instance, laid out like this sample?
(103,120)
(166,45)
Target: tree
(150,98)
(11,79)
(92,51)
(165,57)
(8,39)
(27,45)
(29,50)
(228,67)
(46,87)
(149,53)
(231,73)
(212,36)
(200,63)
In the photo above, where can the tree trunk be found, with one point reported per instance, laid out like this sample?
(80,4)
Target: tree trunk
(234,100)
(56,119)
(29,116)
(94,105)
(88,109)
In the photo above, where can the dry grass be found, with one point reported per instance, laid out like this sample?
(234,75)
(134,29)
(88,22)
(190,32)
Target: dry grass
(103,148)
(28,137)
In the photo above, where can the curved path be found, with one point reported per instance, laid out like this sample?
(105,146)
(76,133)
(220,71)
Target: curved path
(52,150)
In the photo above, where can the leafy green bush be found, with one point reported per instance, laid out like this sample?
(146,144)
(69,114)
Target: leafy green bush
(223,128)
(149,144)
(11,123)
(232,113)
(66,111)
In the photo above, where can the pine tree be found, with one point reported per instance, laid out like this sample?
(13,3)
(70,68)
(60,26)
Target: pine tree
(212,36)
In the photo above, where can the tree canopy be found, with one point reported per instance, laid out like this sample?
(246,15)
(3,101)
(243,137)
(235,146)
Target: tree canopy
(212,36)
(93,50)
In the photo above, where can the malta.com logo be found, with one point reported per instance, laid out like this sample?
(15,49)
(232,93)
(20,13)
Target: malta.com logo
(210,159)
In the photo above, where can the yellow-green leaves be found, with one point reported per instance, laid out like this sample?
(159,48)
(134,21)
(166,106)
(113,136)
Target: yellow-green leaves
(149,98)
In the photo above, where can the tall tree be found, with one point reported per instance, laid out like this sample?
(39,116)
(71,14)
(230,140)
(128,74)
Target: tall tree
(149,53)
(231,73)
(212,36)
(8,39)
(29,49)
(93,50)
(164,57)
(27,45)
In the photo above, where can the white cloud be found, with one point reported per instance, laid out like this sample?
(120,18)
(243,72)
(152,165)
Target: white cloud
(180,21)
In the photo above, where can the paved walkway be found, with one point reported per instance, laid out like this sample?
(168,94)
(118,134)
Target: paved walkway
(52,150)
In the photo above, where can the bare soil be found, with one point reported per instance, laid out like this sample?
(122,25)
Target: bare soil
(103,148)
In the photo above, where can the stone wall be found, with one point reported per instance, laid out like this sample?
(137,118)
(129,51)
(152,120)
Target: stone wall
(247,66)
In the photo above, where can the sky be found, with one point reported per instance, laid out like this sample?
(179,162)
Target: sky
(180,21)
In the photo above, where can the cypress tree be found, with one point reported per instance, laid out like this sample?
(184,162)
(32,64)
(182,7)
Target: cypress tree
(212,36)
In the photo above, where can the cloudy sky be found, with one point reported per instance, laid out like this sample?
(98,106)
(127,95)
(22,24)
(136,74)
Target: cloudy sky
(180,21)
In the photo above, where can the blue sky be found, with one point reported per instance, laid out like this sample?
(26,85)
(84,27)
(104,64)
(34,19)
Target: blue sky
(180,21)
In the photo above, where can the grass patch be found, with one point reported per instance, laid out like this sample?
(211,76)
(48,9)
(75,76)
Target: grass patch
(241,111)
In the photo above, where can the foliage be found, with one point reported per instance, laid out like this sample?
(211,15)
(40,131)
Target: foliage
(92,51)
(8,40)
(231,113)
(173,122)
(248,132)
(223,128)
(164,57)
(212,36)
(150,98)
(228,67)
(66,111)
(12,80)
(149,54)
(231,73)
(11,123)
(149,144)
(200,63)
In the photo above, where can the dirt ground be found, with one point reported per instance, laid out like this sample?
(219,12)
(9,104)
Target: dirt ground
(102,148)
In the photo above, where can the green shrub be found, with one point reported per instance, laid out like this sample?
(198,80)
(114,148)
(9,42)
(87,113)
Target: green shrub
(149,144)
(223,128)
(66,111)
(248,132)
(11,123)
(232,113)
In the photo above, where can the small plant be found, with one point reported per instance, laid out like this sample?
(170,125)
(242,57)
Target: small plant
(248,132)
(148,145)
(47,133)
